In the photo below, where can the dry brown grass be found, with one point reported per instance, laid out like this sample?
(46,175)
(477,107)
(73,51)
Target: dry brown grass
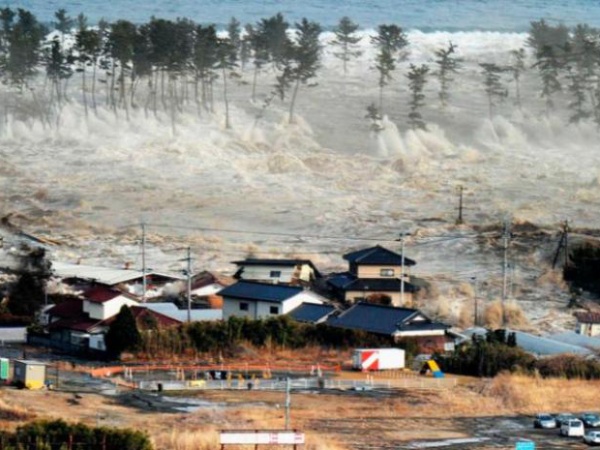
(14,412)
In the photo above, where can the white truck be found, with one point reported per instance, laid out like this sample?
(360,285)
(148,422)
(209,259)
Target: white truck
(367,359)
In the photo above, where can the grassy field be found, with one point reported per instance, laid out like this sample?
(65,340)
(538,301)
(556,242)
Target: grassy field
(332,421)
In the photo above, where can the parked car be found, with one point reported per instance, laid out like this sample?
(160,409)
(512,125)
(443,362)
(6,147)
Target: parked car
(592,437)
(544,420)
(590,420)
(560,418)
(572,428)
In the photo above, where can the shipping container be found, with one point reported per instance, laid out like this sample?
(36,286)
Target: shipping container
(4,369)
(378,359)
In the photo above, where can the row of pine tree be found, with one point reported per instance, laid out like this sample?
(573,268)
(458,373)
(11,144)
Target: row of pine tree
(166,65)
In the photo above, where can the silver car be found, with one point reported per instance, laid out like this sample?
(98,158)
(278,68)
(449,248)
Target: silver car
(590,420)
(544,420)
(592,437)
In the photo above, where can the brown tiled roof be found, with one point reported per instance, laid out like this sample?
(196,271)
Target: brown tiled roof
(67,309)
(101,294)
(588,317)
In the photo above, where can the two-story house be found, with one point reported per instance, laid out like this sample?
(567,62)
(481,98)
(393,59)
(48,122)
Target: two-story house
(295,272)
(374,272)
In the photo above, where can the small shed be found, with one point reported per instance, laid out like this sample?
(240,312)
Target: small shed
(29,373)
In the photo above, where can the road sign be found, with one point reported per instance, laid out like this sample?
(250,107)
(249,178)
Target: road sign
(272,437)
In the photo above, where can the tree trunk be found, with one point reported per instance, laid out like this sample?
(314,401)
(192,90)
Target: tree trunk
(254,83)
(293,101)
(94,88)
(227,124)
(83,92)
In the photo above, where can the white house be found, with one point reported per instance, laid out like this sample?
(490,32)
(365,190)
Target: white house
(261,300)
(101,302)
(285,271)
(588,323)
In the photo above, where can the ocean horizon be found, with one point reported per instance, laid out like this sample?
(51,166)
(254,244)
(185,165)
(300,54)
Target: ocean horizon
(423,15)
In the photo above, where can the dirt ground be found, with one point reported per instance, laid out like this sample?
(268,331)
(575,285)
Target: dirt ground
(476,414)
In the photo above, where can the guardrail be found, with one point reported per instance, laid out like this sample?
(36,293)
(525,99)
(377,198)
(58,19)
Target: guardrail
(301,384)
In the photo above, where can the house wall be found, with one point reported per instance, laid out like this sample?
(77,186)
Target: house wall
(263,273)
(97,342)
(303,272)
(355,296)
(375,271)
(231,307)
(258,309)
(102,311)
(588,329)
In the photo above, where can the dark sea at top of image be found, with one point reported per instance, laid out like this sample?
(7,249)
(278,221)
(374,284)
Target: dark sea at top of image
(425,15)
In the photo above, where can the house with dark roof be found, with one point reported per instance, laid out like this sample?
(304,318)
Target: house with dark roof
(79,324)
(588,323)
(295,272)
(397,323)
(256,300)
(374,272)
(312,313)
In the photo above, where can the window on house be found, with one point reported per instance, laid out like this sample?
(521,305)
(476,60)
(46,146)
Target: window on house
(386,272)
(244,306)
(274,309)
(275,273)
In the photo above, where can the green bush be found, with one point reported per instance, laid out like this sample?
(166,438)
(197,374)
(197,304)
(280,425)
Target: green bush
(60,435)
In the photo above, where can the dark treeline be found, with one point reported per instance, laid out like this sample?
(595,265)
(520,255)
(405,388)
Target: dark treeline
(59,435)
(168,66)
(487,356)
(225,337)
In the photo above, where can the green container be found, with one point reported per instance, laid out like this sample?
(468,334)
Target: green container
(4,369)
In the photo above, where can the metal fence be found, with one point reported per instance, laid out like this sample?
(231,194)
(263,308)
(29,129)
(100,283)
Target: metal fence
(301,384)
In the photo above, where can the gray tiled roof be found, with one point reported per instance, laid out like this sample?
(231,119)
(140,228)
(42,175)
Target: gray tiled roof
(383,319)
(310,312)
(377,256)
(266,292)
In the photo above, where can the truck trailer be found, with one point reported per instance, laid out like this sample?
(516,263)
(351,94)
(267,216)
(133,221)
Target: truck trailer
(378,359)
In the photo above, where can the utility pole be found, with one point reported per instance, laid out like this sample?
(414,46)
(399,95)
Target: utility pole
(143,262)
(505,239)
(189,285)
(475,303)
(288,402)
(402,268)
(459,220)
(566,234)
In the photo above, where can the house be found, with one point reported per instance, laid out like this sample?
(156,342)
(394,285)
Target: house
(397,323)
(295,272)
(130,281)
(588,323)
(260,300)
(196,315)
(312,313)
(79,324)
(374,272)
(206,286)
